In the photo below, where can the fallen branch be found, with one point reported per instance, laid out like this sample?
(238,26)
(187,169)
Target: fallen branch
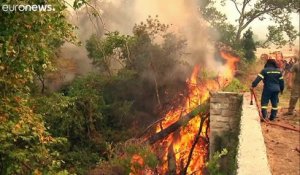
(181,122)
(150,126)
(153,124)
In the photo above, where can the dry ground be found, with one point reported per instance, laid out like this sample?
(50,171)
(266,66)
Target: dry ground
(283,146)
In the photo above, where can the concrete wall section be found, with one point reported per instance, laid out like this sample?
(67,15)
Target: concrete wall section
(252,156)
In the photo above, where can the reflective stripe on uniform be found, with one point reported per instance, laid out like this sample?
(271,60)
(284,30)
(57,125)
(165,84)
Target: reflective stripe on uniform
(281,78)
(264,107)
(261,76)
(273,72)
(274,108)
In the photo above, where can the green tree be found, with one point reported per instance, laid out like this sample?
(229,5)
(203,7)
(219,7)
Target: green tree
(278,11)
(28,48)
(248,45)
(28,43)
(281,33)
(153,64)
(103,52)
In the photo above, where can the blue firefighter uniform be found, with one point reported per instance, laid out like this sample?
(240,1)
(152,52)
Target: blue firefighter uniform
(273,84)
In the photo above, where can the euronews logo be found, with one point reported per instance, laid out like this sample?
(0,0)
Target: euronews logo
(27,8)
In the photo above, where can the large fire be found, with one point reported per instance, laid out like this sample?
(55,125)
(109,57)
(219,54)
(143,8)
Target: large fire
(173,152)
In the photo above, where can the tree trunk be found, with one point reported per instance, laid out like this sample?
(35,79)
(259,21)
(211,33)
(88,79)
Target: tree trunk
(238,36)
(42,80)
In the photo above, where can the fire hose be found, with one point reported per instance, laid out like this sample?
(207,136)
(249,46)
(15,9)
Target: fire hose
(253,94)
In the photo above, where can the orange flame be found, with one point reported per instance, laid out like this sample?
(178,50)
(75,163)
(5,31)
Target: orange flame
(230,65)
(180,142)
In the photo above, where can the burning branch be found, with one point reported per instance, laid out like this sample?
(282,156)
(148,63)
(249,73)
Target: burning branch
(159,121)
(181,122)
(171,161)
(194,144)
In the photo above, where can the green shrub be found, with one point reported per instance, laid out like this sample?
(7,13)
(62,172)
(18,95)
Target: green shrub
(213,165)
(235,86)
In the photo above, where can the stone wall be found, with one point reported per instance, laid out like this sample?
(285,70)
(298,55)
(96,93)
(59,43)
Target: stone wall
(225,114)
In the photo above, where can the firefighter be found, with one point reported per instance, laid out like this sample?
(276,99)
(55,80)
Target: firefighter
(295,93)
(273,84)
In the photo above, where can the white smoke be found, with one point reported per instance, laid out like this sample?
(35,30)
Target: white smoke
(183,15)
(122,15)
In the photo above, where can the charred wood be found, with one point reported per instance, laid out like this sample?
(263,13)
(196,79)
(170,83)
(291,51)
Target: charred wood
(179,123)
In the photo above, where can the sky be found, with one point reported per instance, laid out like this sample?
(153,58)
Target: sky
(259,27)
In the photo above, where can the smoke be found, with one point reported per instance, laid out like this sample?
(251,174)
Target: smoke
(122,15)
(113,16)
(183,15)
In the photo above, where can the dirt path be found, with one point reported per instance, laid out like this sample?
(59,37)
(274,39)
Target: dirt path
(282,146)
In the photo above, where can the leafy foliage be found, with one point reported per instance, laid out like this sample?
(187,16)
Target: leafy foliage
(102,51)
(27,48)
(218,22)
(90,114)
(25,143)
(213,166)
(235,86)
